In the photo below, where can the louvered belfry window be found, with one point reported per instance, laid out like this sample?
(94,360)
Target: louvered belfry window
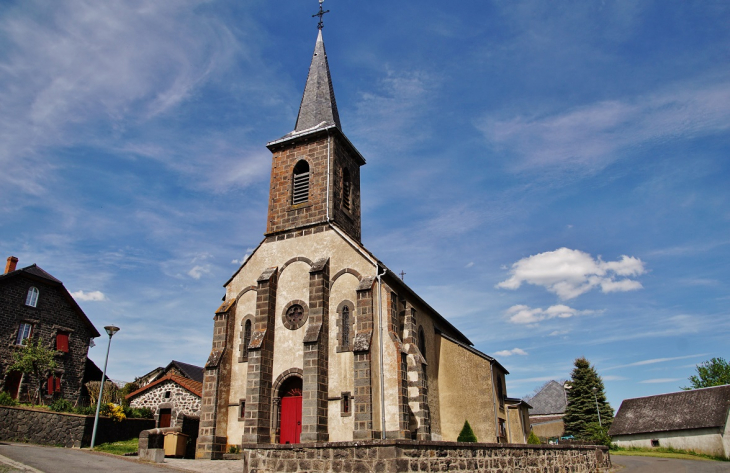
(300,193)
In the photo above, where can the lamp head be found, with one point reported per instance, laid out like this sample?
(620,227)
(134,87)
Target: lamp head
(594,389)
(111,330)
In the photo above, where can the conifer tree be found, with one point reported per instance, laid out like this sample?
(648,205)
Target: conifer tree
(466,435)
(581,410)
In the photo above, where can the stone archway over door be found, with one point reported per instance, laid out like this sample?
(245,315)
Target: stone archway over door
(290,420)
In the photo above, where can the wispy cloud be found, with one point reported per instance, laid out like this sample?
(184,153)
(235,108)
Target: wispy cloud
(596,134)
(661,380)
(654,361)
(570,273)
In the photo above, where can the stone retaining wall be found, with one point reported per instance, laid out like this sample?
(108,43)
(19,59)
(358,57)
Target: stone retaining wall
(60,428)
(420,456)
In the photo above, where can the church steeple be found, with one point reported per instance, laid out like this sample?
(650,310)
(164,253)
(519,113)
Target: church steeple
(315,170)
(318,108)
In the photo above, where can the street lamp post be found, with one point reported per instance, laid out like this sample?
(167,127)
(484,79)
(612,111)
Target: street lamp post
(595,390)
(110,330)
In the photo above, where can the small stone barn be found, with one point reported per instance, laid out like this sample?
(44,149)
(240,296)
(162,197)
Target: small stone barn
(177,391)
(689,420)
(547,410)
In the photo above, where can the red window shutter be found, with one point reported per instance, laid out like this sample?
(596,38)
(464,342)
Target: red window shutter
(50,385)
(58,385)
(62,342)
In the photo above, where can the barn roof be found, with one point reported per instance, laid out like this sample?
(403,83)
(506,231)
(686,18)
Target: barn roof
(684,410)
(550,400)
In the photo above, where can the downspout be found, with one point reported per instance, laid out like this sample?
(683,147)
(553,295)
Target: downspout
(382,374)
(494,402)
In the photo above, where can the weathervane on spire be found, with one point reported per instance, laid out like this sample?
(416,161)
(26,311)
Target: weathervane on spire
(320,14)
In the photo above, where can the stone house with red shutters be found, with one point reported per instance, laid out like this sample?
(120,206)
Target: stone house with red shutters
(170,392)
(316,339)
(35,304)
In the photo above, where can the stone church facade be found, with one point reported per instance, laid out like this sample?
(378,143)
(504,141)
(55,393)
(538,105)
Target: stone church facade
(317,340)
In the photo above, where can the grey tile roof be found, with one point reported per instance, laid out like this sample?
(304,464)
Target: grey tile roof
(695,409)
(191,371)
(34,270)
(550,400)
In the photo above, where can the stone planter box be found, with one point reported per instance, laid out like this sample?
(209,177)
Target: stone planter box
(22,424)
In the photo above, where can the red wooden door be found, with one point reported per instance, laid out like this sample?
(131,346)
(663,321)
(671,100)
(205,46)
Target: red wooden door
(165,415)
(291,419)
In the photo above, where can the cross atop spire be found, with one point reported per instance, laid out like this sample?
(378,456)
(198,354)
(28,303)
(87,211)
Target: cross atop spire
(320,14)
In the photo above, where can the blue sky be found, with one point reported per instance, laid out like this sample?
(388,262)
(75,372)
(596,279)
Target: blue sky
(551,176)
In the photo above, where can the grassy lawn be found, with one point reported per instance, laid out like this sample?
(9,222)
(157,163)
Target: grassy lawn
(118,448)
(665,453)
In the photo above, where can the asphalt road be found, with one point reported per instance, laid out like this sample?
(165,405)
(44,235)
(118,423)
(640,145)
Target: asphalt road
(667,465)
(28,458)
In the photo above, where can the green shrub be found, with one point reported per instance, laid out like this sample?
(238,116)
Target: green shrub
(234,449)
(61,405)
(533,439)
(7,400)
(466,435)
(598,434)
(138,413)
(86,411)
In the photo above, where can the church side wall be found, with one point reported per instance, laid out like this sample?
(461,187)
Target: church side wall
(465,387)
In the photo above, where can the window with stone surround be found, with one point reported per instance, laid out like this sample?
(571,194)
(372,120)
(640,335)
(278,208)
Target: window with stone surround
(25,331)
(345,326)
(300,183)
(31,299)
(241,409)
(246,325)
(346,405)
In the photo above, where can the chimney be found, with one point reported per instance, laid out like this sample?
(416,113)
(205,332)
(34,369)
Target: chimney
(10,266)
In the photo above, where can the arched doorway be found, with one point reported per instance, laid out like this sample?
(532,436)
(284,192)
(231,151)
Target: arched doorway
(290,420)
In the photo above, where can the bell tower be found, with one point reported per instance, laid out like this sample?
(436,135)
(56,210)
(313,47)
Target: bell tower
(315,170)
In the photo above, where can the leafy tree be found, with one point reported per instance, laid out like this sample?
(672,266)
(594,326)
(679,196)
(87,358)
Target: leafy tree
(581,410)
(715,372)
(466,435)
(128,388)
(34,359)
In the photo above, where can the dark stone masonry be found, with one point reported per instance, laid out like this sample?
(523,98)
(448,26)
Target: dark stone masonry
(62,429)
(420,456)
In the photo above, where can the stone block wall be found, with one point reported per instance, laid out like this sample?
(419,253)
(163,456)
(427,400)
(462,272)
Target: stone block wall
(417,456)
(68,430)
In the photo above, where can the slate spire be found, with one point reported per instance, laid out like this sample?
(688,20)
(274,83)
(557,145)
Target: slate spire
(318,108)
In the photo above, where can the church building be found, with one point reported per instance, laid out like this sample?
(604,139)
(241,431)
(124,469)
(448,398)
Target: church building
(317,340)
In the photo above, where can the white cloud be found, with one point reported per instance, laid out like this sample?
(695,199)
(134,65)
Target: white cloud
(514,351)
(524,315)
(613,378)
(89,296)
(594,135)
(470,264)
(570,273)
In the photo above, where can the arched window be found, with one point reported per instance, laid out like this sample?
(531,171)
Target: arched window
(32,298)
(346,189)
(245,340)
(422,342)
(300,183)
(345,327)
